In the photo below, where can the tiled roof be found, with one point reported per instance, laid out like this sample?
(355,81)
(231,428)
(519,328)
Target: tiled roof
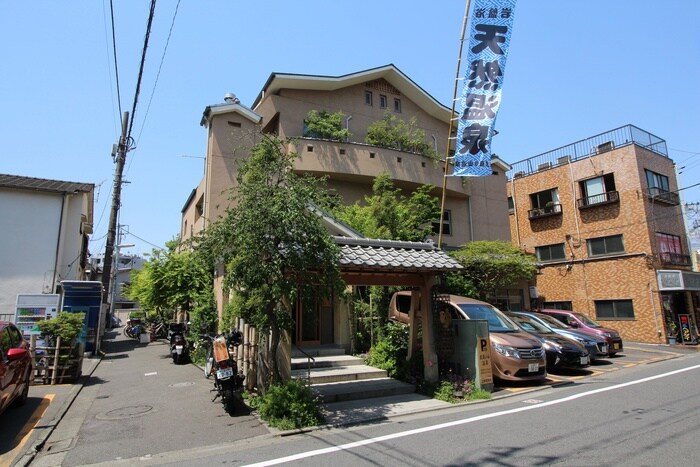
(391,255)
(42,184)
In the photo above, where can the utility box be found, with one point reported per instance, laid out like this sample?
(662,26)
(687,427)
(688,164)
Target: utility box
(85,297)
(472,354)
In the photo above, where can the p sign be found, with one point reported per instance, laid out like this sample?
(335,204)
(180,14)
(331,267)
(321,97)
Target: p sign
(483,352)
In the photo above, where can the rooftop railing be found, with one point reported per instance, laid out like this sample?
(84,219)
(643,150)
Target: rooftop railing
(599,144)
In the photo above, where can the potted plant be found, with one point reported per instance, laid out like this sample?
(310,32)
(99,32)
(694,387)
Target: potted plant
(68,327)
(672,332)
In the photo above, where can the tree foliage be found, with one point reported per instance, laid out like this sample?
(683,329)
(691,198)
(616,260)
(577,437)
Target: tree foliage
(276,249)
(388,214)
(489,265)
(324,125)
(394,133)
(173,280)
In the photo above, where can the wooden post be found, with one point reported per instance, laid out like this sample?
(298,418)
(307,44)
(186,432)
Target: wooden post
(56,354)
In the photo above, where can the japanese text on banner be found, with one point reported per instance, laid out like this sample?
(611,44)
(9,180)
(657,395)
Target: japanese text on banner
(489,40)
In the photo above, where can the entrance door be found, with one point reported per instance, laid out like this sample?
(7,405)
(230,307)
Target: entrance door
(307,325)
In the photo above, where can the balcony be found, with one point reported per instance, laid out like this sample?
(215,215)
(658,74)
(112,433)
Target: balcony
(662,196)
(676,259)
(608,197)
(546,211)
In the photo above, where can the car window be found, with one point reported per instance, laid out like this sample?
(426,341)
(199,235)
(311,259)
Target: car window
(587,321)
(16,337)
(5,340)
(530,324)
(553,322)
(498,322)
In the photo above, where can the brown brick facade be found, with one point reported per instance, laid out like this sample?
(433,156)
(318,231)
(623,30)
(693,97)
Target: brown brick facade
(584,279)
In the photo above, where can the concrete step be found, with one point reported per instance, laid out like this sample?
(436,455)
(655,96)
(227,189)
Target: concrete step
(317,351)
(325,361)
(339,373)
(362,389)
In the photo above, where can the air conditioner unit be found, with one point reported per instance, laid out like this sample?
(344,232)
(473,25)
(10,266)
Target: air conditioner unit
(519,174)
(544,166)
(563,160)
(86,228)
(605,147)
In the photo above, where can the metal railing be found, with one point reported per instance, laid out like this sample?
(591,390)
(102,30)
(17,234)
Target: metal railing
(675,258)
(596,200)
(663,196)
(309,359)
(599,144)
(551,210)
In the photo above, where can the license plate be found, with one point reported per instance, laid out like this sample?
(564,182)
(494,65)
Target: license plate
(584,360)
(225,373)
(178,349)
(533,367)
(616,346)
(604,349)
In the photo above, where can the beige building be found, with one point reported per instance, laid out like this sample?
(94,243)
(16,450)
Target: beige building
(603,217)
(475,208)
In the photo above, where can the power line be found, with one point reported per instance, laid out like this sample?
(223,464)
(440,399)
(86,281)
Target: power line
(114,50)
(151,14)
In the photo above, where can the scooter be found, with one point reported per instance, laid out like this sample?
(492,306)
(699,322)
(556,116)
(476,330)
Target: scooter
(227,379)
(179,350)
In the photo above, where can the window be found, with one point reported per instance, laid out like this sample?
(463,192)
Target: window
(657,181)
(545,198)
(605,245)
(397,106)
(382,101)
(368,98)
(511,204)
(550,252)
(614,309)
(667,243)
(446,224)
(558,306)
(598,190)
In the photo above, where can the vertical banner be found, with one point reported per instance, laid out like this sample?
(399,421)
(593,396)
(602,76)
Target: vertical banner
(489,40)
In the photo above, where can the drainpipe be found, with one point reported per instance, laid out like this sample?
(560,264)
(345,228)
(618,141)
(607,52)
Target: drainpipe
(59,242)
(515,210)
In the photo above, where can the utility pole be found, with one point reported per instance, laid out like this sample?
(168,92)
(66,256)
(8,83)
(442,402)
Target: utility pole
(112,232)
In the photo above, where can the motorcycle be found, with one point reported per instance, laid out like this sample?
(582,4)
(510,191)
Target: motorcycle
(179,350)
(227,379)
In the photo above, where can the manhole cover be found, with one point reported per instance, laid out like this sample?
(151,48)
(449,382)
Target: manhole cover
(182,385)
(126,412)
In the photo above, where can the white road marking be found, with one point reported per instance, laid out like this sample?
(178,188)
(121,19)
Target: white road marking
(365,442)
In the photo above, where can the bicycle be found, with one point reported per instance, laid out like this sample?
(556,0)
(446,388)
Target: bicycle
(133,328)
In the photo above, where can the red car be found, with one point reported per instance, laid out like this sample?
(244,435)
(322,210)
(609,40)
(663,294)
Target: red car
(15,366)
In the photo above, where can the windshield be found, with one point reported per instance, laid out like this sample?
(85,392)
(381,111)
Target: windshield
(498,322)
(587,321)
(553,322)
(530,324)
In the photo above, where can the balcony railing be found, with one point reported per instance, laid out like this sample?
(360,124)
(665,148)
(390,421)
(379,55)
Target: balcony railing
(663,196)
(599,144)
(677,259)
(596,200)
(546,211)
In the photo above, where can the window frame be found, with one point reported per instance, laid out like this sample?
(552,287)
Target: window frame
(369,98)
(397,105)
(616,315)
(383,101)
(446,223)
(539,200)
(540,249)
(605,240)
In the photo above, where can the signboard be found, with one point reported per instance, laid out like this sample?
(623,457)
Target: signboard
(686,329)
(489,40)
(670,280)
(484,355)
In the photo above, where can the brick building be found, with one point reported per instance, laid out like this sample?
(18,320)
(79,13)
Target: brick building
(603,217)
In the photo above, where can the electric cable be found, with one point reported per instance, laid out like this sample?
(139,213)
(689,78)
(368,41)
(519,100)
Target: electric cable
(143,62)
(114,49)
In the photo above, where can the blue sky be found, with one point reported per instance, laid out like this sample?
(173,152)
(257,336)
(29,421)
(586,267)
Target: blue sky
(576,68)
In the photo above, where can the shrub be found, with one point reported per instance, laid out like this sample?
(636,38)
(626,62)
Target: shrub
(65,325)
(390,352)
(324,125)
(288,405)
(394,133)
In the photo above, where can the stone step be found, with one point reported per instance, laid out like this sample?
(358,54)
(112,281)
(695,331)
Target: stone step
(361,389)
(340,373)
(317,351)
(302,363)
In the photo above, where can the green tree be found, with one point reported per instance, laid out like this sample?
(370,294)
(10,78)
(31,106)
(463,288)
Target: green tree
(390,215)
(489,265)
(173,280)
(394,133)
(276,250)
(324,125)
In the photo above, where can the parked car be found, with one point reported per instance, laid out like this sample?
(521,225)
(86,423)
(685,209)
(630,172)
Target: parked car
(561,352)
(597,346)
(515,354)
(15,366)
(582,322)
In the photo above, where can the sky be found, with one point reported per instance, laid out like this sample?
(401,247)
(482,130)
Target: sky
(575,68)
